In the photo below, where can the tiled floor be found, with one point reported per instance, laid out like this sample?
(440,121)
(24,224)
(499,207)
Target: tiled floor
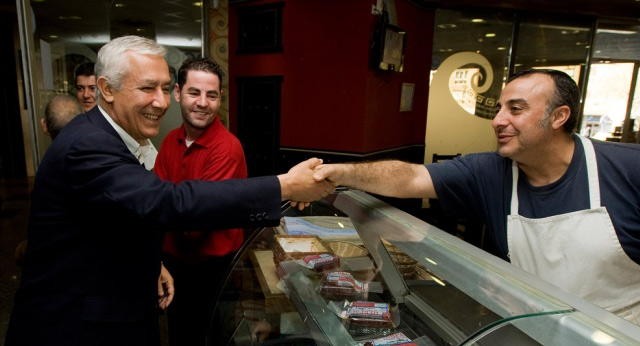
(14,213)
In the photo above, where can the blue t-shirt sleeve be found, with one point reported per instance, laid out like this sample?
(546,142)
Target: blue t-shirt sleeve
(477,185)
(464,185)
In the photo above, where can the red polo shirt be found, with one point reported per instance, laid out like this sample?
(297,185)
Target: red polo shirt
(216,155)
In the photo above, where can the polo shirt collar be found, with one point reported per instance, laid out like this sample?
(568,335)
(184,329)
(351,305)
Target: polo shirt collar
(207,137)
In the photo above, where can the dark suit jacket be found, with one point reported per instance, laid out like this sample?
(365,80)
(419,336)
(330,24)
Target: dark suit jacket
(93,259)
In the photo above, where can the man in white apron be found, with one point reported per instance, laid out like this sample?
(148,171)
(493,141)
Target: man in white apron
(560,206)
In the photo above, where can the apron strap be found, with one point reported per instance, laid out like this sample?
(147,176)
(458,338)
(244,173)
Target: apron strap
(592,176)
(592,172)
(514,188)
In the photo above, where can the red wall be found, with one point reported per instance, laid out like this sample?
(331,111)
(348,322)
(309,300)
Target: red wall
(331,98)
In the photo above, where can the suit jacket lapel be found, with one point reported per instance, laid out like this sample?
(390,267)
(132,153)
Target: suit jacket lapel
(96,118)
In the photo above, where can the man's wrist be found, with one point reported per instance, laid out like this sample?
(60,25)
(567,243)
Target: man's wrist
(284,186)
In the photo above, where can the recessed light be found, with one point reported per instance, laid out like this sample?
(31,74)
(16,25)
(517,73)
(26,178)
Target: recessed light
(502,48)
(489,34)
(477,20)
(53,36)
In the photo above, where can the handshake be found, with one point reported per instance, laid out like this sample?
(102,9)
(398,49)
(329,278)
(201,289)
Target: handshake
(308,181)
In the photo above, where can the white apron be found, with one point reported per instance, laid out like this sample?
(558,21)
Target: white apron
(578,251)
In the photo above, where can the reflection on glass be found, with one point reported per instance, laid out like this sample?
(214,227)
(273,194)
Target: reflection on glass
(548,41)
(615,44)
(605,106)
(485,33)
(467,298)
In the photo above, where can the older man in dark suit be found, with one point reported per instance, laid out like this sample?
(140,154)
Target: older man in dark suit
(92,265)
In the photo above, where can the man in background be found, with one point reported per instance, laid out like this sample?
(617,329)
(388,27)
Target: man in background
(202,148)
(58,112)
(86,85)
(97,218)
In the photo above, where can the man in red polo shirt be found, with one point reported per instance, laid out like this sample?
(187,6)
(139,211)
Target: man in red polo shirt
(202,148)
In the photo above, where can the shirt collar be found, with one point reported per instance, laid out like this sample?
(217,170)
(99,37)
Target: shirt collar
(143,150)
(207,137)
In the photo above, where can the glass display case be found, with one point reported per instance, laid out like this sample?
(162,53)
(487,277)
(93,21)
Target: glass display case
(415,279)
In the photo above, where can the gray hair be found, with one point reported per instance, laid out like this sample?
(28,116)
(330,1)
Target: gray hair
(112,62)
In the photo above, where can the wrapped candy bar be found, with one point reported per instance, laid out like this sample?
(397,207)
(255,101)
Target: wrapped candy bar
(368,314)
(366,317)
(342,285)
(320,263)
(391,340)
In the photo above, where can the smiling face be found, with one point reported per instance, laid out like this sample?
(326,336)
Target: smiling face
(522,125)
(143,98)
(199,100)
(86,91)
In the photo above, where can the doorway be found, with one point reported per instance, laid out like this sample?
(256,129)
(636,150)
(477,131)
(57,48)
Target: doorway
(259,122)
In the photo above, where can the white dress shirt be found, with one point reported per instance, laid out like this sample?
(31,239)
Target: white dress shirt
(143,150)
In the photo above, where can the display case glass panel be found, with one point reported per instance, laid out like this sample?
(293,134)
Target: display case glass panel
(416,280)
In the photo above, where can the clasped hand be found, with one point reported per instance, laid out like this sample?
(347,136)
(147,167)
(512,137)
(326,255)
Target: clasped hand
(299,186)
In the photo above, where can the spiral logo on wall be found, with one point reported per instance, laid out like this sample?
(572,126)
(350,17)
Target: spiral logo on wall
(218,40)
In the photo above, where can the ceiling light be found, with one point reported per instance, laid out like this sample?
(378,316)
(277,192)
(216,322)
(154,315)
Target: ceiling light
(119,5)
(477,20)
(198,4)
(616,31)
(502,48)
(490,34)
(446,26)
(178,41)
(53,36)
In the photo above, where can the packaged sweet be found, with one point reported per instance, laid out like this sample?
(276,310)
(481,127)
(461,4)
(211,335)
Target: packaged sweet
(391,340)
(362,318)
(368,314)
(341,285)
(320,263)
